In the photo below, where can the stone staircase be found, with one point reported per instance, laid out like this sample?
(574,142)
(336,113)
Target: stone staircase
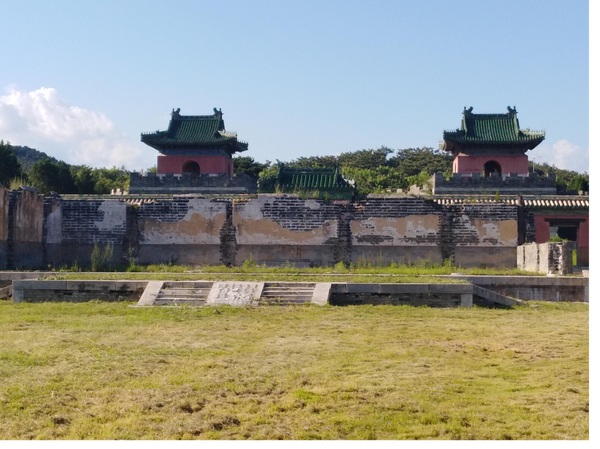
(287,293)
(497,298)
(190,293)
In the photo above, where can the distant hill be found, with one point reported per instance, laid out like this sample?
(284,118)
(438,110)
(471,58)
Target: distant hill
(29,156)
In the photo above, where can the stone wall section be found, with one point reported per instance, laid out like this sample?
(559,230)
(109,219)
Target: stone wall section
(185,230)
(513,184)
(4,201)
(548,258)
(280,228)
(272,228)
(27,247)
(90,222)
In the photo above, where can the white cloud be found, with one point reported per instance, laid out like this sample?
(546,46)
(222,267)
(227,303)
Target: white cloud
(41,119)
(563,154)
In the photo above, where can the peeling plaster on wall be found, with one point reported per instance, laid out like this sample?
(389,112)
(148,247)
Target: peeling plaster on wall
(252,210)
(411,230)
(4,193)
(29,217)
(267,232)
(292,213)
(199,225)
(312,204)
(491,233)
(205,208)
(114,215)
(194,229)
(54,223)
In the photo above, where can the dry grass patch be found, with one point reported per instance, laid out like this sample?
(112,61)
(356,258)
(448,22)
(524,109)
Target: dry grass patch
(103,370)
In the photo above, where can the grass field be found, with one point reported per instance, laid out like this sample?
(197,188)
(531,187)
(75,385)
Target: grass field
(106,370)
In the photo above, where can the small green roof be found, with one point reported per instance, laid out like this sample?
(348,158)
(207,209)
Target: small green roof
(491,129)
(194,131)
(322,180)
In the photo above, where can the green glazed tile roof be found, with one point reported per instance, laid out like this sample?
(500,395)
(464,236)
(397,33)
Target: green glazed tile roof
(322,180)
(492,129)
(194,130)
(311,178)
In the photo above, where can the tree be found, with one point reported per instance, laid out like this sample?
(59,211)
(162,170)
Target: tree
(375,180)
(48,176)
(315,162)
(248,166)
(9,165)
(111,178)
(365,159)
(580,182)
(84,178)
(413,161)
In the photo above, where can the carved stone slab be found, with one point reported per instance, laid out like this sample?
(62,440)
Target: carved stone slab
(235,293)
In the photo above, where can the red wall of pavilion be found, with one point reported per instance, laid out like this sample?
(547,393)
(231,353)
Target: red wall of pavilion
(208,164)
(464,163)
(542,233)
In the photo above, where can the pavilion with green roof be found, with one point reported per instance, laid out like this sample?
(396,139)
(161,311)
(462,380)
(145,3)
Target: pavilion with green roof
(195,144)
(325,183)
(491,143)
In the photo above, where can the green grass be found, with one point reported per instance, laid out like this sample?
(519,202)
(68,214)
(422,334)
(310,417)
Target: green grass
(256,277)
(420,268)
(421,272)
(105,370)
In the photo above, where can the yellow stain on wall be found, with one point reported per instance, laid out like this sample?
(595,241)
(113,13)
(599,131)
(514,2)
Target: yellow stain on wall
(264,231)
(505,231)
(196,230)
(398,228)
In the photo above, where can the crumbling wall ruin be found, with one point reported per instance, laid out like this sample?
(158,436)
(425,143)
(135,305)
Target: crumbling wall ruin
(272,229)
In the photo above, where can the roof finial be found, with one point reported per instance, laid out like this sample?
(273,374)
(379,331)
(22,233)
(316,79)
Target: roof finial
(217,112)
(175,112)
(512,110)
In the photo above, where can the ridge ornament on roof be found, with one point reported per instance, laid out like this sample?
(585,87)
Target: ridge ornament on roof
(499,132)
(195,132)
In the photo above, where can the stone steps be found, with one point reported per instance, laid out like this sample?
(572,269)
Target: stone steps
(287,293)
(188,293)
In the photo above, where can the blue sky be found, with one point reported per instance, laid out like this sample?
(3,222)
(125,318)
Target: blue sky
(81,80)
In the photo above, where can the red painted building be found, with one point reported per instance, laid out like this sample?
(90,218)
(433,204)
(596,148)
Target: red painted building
(487,149)
(491,143)
(195,144)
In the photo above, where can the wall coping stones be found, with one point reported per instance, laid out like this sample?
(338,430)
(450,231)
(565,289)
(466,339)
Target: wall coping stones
(517,281)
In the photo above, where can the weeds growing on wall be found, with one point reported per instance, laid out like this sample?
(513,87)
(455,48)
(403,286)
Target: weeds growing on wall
(101,257)
(249,263)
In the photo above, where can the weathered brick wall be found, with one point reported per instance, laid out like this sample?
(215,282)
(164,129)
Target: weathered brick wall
(4,199)
(184,230)
(412,299)
(74,227)
(21,229)
(280,228)
(89,222)
(484,234)
(549,258)
(513,184)
(272,228)
(401,230)
(27,250)
(205,183)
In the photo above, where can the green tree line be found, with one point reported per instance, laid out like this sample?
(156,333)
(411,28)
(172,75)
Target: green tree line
(373,170)
(48,174)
